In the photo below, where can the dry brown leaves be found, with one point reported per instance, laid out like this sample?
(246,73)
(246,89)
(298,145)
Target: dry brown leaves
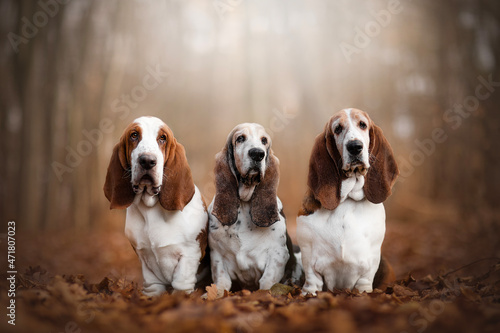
(211,292)
(433,303)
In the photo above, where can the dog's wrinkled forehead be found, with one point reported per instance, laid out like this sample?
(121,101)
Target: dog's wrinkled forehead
(250,134)
(349,119)
(151,127)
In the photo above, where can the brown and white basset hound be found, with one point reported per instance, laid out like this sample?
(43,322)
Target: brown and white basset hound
(341,226)
(167,220)
(249,244)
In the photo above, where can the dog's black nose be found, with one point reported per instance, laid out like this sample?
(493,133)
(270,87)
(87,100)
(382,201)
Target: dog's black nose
(354,147)
(147,161)
(256,154)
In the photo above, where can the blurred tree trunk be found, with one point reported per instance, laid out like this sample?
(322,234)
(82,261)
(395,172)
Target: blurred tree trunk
(489,116)
(31,66)
(11,119)
(55,88)
(463,169)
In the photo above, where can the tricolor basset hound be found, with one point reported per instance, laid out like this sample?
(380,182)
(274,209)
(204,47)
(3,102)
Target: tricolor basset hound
(249,244)
(341,226)
(166,219)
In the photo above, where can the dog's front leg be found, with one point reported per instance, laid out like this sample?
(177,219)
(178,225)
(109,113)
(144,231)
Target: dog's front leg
(220,274)
(152,286)
(314,281)
(274,271)
(365,282)
(184,277)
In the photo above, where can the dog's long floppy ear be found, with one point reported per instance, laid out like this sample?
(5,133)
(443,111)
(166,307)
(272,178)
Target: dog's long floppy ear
(118,187)
(324,173)
(264,204)
(178,188)
(227,198)
(383,169)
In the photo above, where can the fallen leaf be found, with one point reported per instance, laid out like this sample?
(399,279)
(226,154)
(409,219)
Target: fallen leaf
(279,289)
(211,292)
(402,291)
(469,294)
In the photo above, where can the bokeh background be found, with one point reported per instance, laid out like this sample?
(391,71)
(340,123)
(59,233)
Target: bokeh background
(75,73)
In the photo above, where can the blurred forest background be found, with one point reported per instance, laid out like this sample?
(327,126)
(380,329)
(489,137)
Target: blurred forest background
(426,71)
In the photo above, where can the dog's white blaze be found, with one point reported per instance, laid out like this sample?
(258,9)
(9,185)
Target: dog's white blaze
(148,144)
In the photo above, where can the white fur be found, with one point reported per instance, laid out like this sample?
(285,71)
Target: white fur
(341,246)
(165,241)
(253,255)
(148,145)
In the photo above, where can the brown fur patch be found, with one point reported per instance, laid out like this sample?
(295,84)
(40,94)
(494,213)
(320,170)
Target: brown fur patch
(309,204)
(324,171)
(384,276)
(130,144)
(383,170)
(202,239)
(264,205)
(204,203)
(227,200)
(178,186)
(117,187)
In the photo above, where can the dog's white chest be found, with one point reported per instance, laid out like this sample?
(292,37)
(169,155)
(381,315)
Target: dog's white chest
(352,188)
(343,245)
(247,250)
(162,238)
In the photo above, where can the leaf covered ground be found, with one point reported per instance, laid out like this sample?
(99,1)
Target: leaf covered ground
(90,282)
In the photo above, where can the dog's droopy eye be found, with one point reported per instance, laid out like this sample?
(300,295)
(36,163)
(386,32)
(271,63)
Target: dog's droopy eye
(240,139)
(338,129)
(264,141)
(362,125)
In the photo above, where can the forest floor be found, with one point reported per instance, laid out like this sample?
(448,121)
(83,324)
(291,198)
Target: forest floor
(448,280)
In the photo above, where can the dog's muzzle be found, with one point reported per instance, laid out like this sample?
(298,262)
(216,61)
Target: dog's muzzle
(146,183)
(355,164)
(253,176)
(356,169)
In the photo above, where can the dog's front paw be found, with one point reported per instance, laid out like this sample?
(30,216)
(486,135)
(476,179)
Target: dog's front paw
(155,289)
(364,288)
(307,292)
(187,291)
(310,289)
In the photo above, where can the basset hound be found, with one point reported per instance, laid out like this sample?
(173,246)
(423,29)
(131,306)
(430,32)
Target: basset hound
(166,220)
(341,226)
(249,244)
